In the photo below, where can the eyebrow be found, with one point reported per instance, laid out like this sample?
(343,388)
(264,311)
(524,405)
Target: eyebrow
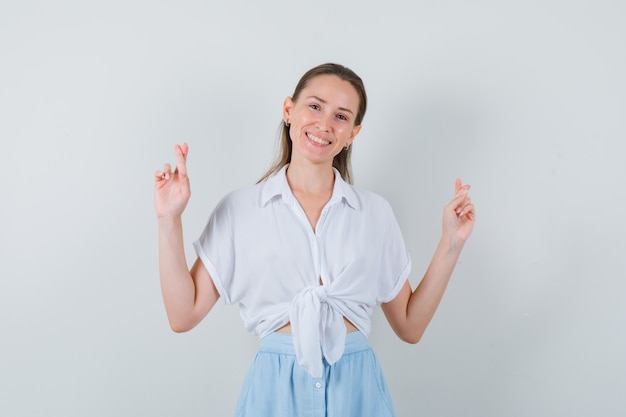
(324,101)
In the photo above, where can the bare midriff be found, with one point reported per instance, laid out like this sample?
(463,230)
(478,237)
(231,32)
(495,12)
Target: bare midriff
(349,327)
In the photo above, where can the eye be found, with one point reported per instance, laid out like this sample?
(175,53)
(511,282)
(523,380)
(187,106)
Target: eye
(314,106)
(342,117)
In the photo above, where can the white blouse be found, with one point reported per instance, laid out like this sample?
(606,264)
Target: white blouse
(263,254)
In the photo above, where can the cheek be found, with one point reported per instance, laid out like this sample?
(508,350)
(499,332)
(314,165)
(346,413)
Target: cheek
(300,119)
(344,132)
(307,118)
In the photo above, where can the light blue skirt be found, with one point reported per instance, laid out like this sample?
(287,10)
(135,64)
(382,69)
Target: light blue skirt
(276,386)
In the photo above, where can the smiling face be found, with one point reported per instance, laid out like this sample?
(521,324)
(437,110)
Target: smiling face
(322,119)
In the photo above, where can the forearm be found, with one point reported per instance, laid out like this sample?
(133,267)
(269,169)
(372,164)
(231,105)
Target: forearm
(410,312)
(177,285)
(425,300)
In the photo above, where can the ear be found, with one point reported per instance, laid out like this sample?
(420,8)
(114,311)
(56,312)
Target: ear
(287,107)
(355,131)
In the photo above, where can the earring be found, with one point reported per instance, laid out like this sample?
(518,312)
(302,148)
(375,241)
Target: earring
(286,123)
(347,146)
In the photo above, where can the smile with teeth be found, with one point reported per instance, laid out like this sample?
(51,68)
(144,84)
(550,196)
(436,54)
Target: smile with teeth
(317,140)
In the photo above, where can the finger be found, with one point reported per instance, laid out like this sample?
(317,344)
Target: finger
(463,205)
(167,171)
(161,176)
(460,196)
(468,211)
(458,186)
(460,201)
(181,156)
(185,149)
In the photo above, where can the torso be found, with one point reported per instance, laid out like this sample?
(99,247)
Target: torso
(312,199)
(349,327)
(313,208)
(313,205)
(344,251)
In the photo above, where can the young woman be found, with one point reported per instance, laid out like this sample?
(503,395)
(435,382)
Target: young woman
(307,256)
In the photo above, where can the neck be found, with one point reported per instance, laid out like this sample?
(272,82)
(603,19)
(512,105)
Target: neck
(310,178)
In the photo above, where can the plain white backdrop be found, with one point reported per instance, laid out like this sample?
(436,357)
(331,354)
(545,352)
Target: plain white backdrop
(525,100)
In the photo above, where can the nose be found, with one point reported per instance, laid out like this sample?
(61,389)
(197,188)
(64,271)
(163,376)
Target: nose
(324,122)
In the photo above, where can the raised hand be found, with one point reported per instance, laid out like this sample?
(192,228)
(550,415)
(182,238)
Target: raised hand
(459,215)
(171,189)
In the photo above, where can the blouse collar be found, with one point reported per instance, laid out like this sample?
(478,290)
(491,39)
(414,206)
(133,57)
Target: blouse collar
(277,186)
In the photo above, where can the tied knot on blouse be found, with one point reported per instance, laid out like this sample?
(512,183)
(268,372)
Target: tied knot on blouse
(319,331)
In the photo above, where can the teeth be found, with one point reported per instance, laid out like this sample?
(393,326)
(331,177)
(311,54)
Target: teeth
(318,140)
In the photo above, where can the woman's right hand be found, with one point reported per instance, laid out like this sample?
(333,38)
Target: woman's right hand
(171,189)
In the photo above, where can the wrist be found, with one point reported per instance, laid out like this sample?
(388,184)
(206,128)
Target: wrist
(169,222)
(452,245)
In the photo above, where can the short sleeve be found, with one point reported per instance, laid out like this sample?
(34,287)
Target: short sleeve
(395,261)
(215,249)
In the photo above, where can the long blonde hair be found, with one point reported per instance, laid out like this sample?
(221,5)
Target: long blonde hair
(342,160)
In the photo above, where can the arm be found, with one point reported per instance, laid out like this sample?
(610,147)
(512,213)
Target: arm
(188,295)
(411,311)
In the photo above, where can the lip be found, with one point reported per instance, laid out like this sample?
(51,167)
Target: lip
(318,140)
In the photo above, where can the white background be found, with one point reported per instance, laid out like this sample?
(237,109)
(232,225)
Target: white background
(525,100)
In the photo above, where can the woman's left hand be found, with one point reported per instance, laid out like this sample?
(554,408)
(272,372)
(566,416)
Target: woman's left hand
(459,215)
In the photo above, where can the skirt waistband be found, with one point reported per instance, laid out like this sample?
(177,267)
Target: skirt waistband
(283,343)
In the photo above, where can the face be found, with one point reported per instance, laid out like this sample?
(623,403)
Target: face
(322,119)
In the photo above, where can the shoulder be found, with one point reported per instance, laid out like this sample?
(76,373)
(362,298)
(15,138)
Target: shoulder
(368,201)
(240,200)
